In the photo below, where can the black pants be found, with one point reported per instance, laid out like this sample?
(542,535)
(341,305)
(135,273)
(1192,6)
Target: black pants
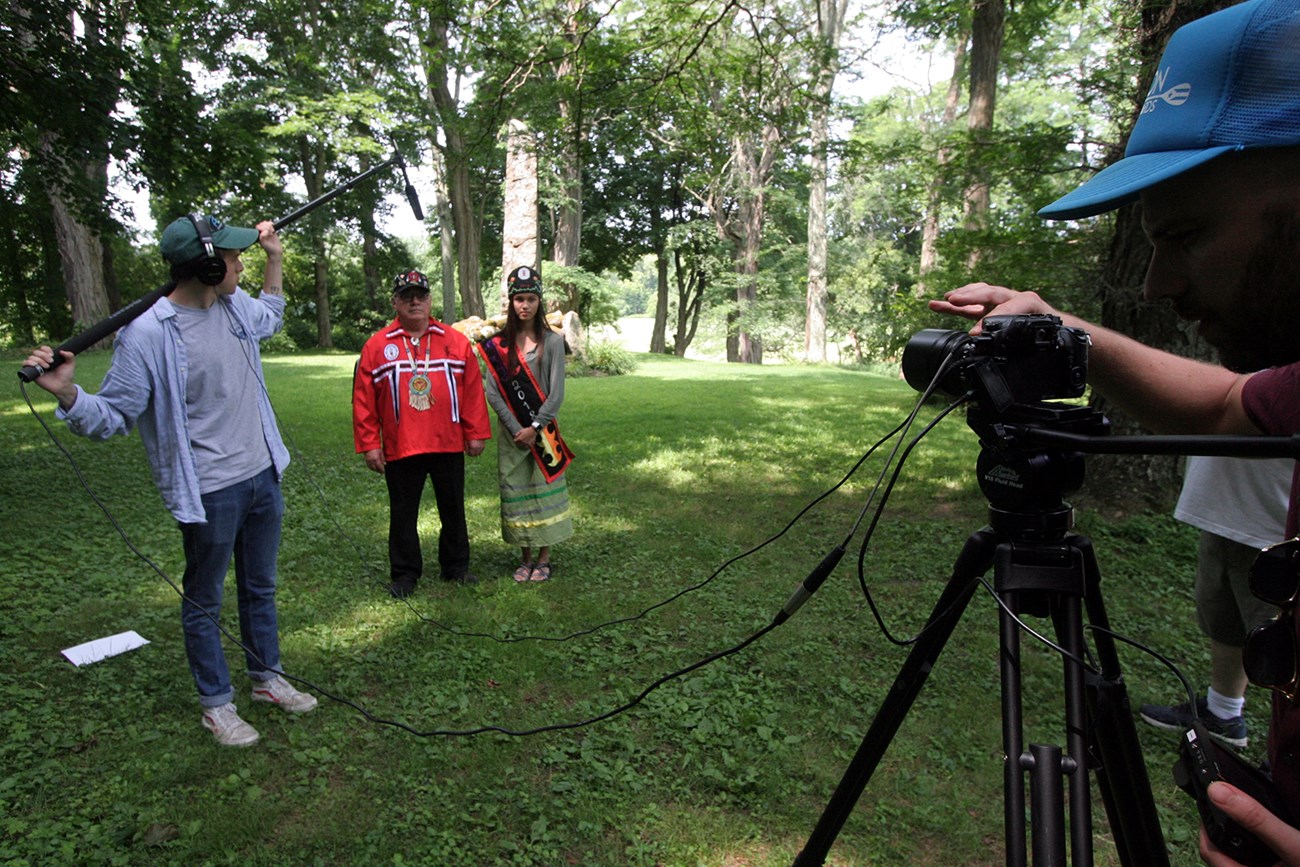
(405,486)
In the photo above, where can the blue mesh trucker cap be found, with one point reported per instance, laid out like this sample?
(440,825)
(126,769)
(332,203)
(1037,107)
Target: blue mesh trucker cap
(1228,81)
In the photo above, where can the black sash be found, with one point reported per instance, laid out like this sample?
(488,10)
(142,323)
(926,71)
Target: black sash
(525,398)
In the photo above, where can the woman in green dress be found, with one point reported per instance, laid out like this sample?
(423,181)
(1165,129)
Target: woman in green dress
(525,387)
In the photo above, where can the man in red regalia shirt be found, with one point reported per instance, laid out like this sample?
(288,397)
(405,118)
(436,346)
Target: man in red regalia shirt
(417,409)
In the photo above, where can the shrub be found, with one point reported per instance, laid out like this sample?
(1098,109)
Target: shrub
(604,358)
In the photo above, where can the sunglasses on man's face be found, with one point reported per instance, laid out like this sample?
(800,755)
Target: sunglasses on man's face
(1270,653)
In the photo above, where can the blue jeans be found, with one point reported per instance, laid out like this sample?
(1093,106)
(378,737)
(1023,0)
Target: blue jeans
(243,521)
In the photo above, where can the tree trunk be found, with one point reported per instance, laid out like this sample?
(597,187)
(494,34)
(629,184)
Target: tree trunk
(748,348)
(82,259)
(815,303)
(1120,483)
(691,283)
(320,269)
(830,17)
(752,163)
(985,57)
(459,192)
(370,276)
(76,158)
(568,218)
(447,240)
(519,241)
(465,225)
(657,343)
(567,247)
(934,191)
(313,175)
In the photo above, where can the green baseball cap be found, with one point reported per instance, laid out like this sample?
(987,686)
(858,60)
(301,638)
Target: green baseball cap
(181,243)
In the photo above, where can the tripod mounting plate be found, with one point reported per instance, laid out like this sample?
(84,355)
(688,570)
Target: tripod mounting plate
(1018,476)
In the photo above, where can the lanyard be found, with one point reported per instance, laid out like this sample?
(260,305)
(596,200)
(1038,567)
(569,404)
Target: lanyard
(419,389)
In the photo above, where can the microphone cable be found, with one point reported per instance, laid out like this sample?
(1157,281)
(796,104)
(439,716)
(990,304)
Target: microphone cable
(327,693)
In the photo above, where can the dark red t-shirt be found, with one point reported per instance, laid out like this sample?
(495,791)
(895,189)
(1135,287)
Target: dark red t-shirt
(1272,400)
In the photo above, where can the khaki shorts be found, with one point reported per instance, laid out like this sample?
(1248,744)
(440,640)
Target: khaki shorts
(1226,610)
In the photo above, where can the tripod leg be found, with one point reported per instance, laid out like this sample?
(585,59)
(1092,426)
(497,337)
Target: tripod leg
(1069,632)
(971,562)
(1013,739)
(1121,770)
(1043,579)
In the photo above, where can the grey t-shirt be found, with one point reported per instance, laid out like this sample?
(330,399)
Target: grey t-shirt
(221,392)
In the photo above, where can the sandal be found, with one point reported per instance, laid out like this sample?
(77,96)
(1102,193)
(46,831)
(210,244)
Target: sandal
(541,572)
(524,572)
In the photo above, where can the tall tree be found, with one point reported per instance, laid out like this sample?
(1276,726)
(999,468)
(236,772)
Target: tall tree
(569,76)
(446,238)
(825,64)
(744,97)
(987,25)
(443,73)
(64,64)
(935,186)
(1135,481)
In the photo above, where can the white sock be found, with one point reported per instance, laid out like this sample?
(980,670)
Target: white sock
(1223,706)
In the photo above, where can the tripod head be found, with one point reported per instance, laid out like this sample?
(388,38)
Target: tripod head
(1024,481)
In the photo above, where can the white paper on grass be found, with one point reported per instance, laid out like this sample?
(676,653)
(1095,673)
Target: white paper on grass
(103,648)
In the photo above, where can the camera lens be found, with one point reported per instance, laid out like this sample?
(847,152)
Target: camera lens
(926,352)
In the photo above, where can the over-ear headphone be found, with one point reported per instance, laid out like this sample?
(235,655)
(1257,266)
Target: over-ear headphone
(209,267)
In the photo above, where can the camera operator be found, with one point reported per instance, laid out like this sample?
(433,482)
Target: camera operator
(1215,160)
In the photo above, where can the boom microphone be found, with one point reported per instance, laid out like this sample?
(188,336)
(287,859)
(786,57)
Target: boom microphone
(415,202)
(410,188)
(97,332)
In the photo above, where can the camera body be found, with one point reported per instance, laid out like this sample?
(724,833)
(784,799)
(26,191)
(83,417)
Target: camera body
(1015,359)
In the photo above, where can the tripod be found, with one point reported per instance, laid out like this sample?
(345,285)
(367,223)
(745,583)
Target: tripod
(1040,568)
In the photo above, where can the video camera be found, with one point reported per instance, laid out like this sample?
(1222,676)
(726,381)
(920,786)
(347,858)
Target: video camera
(1015,359)
(1013,366)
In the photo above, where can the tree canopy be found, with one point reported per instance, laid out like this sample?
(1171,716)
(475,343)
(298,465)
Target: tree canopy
(650,116)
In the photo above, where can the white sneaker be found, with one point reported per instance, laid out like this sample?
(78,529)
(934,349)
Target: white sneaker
(280,692)
(227,727)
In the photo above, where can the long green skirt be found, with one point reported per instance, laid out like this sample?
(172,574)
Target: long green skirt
(533,513)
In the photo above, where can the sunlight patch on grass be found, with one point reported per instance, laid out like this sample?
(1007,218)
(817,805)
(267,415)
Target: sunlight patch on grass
(41,399)
(669,467)
(676,468)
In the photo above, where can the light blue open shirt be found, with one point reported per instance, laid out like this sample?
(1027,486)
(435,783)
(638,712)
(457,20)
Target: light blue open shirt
(146,384)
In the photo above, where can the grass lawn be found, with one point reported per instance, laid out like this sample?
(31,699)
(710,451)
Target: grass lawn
(681,467)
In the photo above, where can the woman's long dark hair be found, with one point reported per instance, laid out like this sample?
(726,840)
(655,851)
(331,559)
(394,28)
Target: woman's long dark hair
(514,325)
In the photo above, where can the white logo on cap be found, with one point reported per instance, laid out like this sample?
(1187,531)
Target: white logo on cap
(1176,95)
(390,352)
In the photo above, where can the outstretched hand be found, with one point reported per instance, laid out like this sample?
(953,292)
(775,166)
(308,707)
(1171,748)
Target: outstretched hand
(977,300)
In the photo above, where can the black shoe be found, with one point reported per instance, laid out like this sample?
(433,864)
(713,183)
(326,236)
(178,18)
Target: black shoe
(465,579)
(1179,718)
(400,588)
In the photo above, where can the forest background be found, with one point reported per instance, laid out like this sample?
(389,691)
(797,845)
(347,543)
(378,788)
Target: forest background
(699,161)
